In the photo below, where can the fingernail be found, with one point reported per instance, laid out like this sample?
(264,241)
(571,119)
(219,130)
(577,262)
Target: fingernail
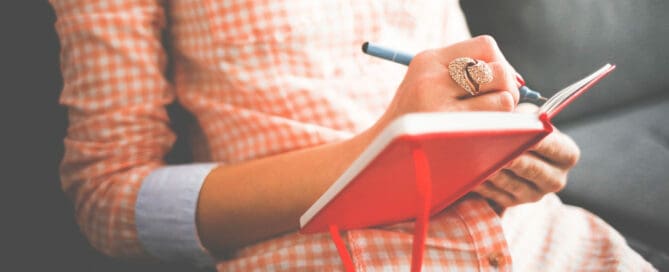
(520,80)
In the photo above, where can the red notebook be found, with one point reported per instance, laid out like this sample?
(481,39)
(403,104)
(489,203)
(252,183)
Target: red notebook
(463,149)
(450,153)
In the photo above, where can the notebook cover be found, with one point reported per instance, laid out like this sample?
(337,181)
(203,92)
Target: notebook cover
(384,192)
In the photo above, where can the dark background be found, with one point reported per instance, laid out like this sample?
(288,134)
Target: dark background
(41,229)
(41,232)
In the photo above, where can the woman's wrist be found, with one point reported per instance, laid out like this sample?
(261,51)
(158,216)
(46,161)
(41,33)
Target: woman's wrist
(247,202)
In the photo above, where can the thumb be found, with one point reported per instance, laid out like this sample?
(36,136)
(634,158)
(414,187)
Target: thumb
(527,107)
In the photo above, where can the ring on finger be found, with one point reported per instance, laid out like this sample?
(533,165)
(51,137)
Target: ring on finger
(469,74)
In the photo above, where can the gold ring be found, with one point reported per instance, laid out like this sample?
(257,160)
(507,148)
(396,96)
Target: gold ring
(469,74)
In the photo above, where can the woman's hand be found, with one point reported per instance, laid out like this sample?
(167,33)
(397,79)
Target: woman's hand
(540,171)
(428,87)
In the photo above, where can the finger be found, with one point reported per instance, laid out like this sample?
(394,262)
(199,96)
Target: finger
(522,190)
(492,101)
(500,197)
(546,177)
(559,149)
(527,107)
(503,79)
(482,47)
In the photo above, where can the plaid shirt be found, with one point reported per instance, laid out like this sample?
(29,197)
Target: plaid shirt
(265,77)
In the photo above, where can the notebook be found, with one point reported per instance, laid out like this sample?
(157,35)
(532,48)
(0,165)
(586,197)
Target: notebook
(462,150)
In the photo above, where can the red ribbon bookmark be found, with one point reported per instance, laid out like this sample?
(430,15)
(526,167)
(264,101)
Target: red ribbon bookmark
(424,190)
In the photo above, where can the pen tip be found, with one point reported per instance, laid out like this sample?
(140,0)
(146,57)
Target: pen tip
(543,99)
(364,47)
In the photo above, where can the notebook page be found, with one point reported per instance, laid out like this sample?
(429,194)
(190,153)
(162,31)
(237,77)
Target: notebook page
(563,95)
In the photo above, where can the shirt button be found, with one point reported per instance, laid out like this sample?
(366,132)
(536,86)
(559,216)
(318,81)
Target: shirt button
(496,259)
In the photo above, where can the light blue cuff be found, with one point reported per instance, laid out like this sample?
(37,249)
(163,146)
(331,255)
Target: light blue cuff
(165,213)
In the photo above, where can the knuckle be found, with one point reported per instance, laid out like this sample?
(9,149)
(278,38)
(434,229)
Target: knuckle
(516,165)
(423,57)
(519,187)
(573,158)
(515,189)
(543,144)
(488,46)
(506,101)
(504,73)
(532,171)
(549,149)
(562,147)
(427,80)
(484,190)
(509,184)
(505,77)
(501,101)
(526,191)
(503,200)
(575,155)
(487,40)
(552,149)
(479,190)
(535,197)
(556,184)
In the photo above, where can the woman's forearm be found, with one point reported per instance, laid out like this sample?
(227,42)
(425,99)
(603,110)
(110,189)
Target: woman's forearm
(244,203)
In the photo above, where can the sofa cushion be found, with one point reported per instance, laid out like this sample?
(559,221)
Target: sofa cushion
(623,174)
(553,43)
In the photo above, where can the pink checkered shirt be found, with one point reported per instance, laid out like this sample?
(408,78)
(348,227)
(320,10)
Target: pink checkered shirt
(265,77)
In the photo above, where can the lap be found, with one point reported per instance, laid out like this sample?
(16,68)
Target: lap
(542,236)
(549,234)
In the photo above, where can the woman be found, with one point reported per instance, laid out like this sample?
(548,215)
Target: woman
(284,102)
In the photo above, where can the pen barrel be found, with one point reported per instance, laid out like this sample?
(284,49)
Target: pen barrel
(387,53)
(526,94)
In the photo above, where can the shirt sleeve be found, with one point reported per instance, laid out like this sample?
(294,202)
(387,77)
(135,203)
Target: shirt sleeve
(113,66)
(165,213)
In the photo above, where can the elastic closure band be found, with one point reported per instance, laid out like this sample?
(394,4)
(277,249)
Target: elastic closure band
(341,249)
(424,190)
(424,199)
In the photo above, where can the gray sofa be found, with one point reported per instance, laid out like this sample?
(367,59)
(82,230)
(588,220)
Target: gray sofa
(621,125)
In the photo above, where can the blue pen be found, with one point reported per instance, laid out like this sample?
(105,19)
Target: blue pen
(526,94)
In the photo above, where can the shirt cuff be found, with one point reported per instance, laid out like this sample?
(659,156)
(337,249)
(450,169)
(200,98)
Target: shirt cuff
(165,213)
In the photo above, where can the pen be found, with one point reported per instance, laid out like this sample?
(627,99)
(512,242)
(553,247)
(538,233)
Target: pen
(526,94)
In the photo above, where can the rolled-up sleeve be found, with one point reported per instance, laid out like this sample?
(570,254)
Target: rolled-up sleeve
(165,213)
(113,66)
